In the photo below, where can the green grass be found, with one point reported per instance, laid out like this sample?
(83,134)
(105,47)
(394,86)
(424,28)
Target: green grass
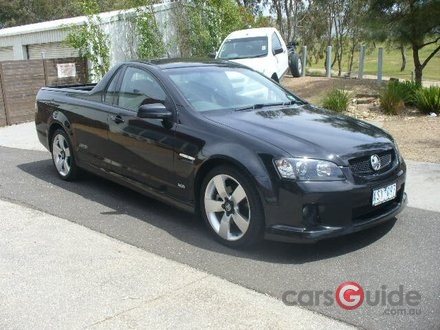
(392,63)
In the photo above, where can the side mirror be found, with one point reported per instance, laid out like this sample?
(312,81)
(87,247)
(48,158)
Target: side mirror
(154,111)
(278,51)
(212,55)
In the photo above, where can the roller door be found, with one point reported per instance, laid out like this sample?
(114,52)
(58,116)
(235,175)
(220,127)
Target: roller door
(51,50)
(6,54)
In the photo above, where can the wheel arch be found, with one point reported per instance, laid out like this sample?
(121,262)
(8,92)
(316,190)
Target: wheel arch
(58,121)
(52,129)
(255,229)
(69,170)
(216,161)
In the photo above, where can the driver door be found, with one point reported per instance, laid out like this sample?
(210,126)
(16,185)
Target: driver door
(141,149)
(282,59)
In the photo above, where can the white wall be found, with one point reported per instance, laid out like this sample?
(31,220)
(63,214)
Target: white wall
(45,37)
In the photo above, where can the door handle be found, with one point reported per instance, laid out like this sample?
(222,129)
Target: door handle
(117,119)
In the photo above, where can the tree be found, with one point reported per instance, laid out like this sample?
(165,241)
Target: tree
(339,15)
(293,9)
(336,23)
(20,12)
(317,35)
(91,41)
(408,22)
(150,39)
(202,25)
(356,13)
(8,13)
(254,5)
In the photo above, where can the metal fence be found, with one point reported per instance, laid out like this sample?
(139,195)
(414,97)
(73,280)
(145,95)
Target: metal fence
(21,80)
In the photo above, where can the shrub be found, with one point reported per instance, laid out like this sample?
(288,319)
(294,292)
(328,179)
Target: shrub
(407,91)
(427,100)
(392,98)
(336,100)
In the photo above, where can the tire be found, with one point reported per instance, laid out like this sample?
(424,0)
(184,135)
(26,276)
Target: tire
(275,78)
(231,208)
(62,156)
(295,65)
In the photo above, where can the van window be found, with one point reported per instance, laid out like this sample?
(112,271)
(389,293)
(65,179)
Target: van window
(276,43)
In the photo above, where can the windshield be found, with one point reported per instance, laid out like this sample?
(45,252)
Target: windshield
(243,48)
(218,88)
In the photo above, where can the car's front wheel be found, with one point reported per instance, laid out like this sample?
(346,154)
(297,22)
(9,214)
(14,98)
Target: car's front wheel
(231,207)
(62,156)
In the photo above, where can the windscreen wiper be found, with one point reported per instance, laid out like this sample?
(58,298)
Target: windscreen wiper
(293,102)
(251,107)
(255,56)
(265,105)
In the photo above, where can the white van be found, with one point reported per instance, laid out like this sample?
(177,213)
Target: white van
(262,49)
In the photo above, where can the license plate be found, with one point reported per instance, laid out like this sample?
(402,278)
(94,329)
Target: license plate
(383,195)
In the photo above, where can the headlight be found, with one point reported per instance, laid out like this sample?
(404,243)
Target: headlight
(304,169)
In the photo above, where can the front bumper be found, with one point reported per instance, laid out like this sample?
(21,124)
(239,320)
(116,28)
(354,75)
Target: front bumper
(334,209)
(287,233)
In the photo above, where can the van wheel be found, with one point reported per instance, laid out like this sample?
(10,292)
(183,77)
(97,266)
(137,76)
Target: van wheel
(295,65)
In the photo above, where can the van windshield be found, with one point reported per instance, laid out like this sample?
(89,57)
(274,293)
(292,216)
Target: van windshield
(243,48)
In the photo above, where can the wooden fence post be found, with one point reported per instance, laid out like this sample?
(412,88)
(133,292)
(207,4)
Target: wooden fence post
(2,87)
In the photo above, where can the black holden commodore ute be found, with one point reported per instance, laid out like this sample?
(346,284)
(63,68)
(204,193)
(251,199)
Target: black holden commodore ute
(219,139)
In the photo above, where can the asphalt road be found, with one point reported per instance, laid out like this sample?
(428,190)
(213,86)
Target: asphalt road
(405,252)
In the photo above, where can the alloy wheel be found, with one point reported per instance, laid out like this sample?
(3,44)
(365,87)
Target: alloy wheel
(227,207)
(61,155)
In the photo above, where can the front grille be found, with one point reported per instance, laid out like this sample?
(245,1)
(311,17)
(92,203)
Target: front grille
(362,166)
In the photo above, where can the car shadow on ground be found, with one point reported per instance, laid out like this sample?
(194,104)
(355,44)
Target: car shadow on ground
(185,227)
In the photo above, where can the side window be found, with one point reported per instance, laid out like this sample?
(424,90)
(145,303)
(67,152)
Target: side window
(110,94)
(139,87)
(276,43)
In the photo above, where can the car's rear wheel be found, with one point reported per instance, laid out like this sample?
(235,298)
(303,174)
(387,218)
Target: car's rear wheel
(62,156)
(295,65)
(231,207)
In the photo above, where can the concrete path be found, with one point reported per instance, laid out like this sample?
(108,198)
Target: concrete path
(57,274)
(22,136)
(422,185)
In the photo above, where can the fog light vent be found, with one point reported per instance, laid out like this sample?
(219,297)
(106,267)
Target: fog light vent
(310,214)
